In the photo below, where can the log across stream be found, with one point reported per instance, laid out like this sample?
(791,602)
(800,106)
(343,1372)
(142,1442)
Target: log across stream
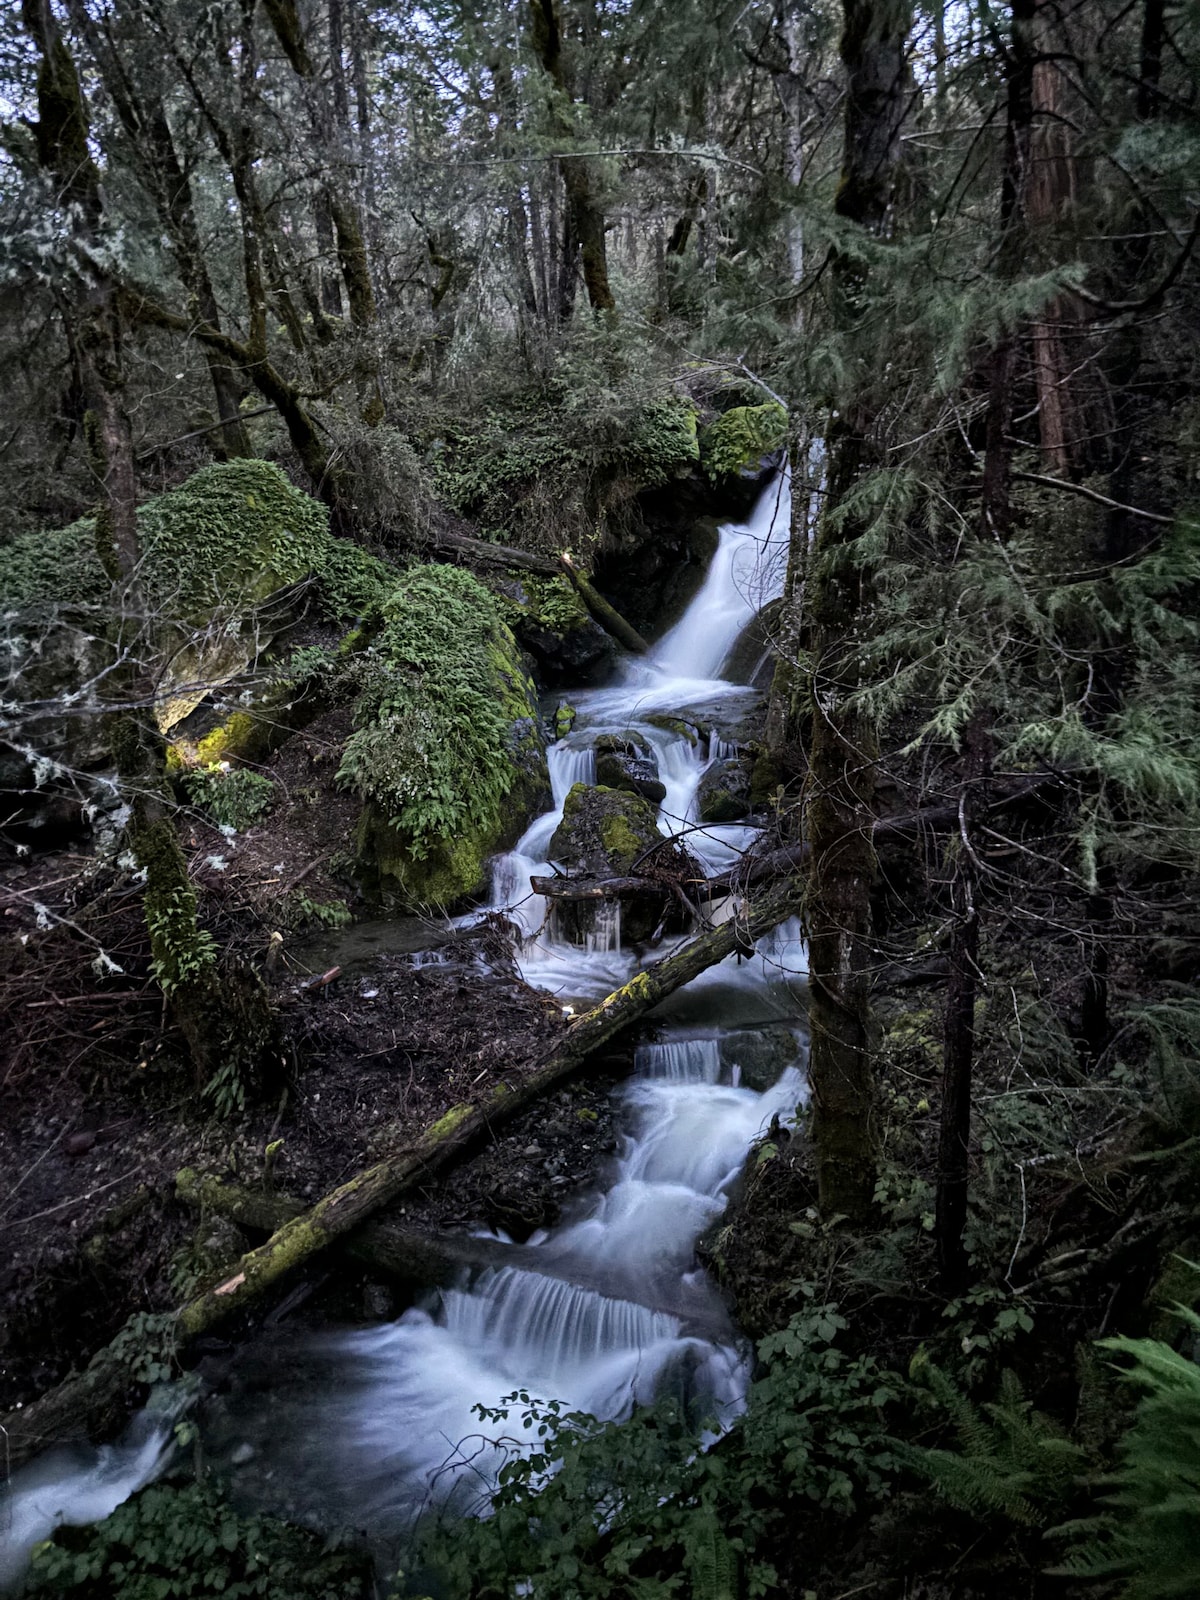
(363,1428)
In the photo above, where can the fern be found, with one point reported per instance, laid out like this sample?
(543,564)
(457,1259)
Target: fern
(1011,1462)
(1150,1534)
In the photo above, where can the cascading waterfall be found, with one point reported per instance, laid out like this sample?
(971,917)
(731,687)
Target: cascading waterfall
(610,1307)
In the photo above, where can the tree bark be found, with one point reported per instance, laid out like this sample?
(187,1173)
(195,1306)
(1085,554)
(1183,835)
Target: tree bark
(840,785)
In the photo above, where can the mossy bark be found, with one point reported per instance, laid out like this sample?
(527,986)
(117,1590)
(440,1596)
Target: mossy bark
(841,778)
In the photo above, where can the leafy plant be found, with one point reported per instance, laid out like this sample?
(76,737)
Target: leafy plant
(170,1541)
(637,1507)
(1149,1534)
(1011,1461)
(234,797)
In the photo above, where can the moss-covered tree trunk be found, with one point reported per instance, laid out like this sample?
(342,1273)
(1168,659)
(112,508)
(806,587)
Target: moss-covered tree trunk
(227,1023)
(841,778)
(585,214)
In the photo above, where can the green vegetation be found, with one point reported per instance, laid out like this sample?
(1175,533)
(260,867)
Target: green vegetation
(234,797)
(742,437)
(446,731)
(187,1540)
(226,539)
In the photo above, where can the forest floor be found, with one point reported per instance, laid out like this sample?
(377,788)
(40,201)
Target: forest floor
(98,1114)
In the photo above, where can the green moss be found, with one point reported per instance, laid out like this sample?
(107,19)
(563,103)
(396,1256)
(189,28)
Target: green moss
(620,839)
(446,1125)
(228,537)
(240,738)
(741,438)
(447,750)
(182,952)
(675,725)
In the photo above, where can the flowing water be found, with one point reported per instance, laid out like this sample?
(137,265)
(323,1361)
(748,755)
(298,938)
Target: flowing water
(610,1308)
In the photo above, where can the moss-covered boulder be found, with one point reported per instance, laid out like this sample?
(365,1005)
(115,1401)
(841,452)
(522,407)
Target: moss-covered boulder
(742,438)
(603,834)
(603,831)
(230,536)
(724,791)
(447,753)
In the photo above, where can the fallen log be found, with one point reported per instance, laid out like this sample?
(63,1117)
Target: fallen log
(609,618)
(423,1257)
(413,1255)
(96,1396)
(495,555)
(742,875)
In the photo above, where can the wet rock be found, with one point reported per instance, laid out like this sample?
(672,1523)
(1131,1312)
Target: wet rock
(760,1054)
(579,655)
(751,659)
(621,764)
(603,831)
(724,792)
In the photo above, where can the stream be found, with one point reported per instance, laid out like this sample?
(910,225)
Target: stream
(368,1427)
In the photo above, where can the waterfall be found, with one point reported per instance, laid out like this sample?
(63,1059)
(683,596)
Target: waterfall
(367,1428)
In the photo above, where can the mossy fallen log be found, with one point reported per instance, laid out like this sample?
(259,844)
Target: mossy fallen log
(609,618)
(423,1257)
(413,1255)
(92,1401)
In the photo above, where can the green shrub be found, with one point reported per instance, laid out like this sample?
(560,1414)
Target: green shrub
(230,535)
(171,1541)
(233,796)
(742,437)
(351,581)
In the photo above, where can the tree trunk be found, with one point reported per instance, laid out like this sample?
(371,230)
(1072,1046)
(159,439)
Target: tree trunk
(840,785)
(958,1037)
(585,216)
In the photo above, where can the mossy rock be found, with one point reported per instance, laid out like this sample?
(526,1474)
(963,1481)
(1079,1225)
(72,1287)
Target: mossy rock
(448,752)
(603,831)
(230,536)
(741,439)
(724,791)
(680,726)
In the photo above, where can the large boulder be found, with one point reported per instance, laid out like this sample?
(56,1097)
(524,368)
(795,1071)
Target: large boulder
(552,625)
(603,833)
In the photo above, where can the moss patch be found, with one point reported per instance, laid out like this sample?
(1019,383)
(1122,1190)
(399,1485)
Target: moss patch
(447,750)
(228,537)
(741,438)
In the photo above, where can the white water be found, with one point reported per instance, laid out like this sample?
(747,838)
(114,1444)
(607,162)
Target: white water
(609,1308)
